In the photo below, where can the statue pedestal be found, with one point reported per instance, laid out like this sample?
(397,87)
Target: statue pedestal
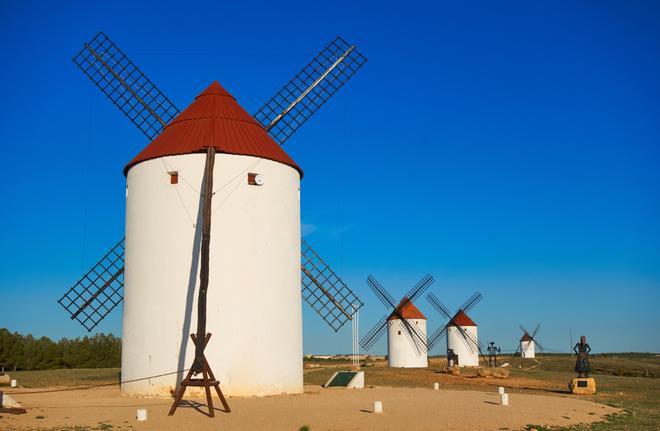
(583,386)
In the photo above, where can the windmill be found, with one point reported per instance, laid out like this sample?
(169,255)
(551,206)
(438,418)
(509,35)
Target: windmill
(405,325)
(527,343)
(258,257)
(463,346)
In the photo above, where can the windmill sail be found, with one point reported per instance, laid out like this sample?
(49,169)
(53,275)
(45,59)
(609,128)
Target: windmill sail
(99,291)
(471,302)
(324,291)
(375,333)
(531,337)
(412,332)
(436,336)
(125,85)
(306,92)
(468,339)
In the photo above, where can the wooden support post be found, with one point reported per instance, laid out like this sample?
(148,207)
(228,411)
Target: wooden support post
(201,338)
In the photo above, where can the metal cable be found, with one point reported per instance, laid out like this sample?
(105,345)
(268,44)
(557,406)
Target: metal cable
(97,386)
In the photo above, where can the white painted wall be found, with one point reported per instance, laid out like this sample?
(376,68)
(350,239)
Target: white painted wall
(527,349)
(401,353)
(456,341)
(254,299)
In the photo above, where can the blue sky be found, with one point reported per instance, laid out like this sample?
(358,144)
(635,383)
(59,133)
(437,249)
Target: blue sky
(510,148)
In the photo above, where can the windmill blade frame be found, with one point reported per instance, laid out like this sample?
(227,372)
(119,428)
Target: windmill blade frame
(99,291)
(375,333)
(436,336)
(127,87)
(471,302)
(380,292)
(420,287)
(324,291)
(284,113)
(438,305)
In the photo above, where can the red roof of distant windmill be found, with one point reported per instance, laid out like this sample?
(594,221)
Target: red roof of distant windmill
(407,310)
(526,337)
(214,118)
(461,319)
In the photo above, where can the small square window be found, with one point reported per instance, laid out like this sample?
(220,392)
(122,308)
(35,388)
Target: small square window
(254,179)
(174,177)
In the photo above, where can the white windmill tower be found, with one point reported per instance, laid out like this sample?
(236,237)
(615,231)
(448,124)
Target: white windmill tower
(463,346)
(405,326)
(255,252)
(528,343)
(255,261)
(527,346)
(463,340)
(401,353)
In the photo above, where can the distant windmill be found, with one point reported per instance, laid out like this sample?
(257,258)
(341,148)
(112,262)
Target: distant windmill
(255,264)
(528,342)
(461,331)
(405,325)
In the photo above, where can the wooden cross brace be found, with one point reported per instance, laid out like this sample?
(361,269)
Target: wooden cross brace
(207,380)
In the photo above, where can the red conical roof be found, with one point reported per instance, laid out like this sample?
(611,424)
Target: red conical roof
(526,337)
(214,119)
(461,319)
(407,310)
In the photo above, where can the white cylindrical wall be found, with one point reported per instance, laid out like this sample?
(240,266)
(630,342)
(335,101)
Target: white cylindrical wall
(401,353)
(254,298)
(527,349)
(467,351)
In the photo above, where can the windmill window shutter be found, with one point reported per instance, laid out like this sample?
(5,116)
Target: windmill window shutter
(174,177)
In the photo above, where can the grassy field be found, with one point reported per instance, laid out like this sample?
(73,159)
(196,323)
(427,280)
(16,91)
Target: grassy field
(627,381)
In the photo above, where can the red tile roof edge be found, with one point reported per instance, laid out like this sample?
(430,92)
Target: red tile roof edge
(214,118)
(407,310)
(461,319)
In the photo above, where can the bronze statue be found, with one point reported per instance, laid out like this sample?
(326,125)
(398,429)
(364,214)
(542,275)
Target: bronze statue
(492,354)
(582,350)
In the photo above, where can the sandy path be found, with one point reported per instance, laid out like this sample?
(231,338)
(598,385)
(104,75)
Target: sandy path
(321,409)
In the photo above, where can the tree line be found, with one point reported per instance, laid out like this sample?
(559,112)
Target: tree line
(25,352)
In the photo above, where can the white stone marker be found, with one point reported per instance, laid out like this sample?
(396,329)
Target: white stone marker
(500,390)
(436,386)
(13,383)
(504,399)
(141,415)
(378,407)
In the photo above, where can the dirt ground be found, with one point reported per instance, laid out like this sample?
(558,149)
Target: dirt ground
(320,409)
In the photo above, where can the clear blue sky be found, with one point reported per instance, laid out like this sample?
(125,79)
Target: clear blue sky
(506,147)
